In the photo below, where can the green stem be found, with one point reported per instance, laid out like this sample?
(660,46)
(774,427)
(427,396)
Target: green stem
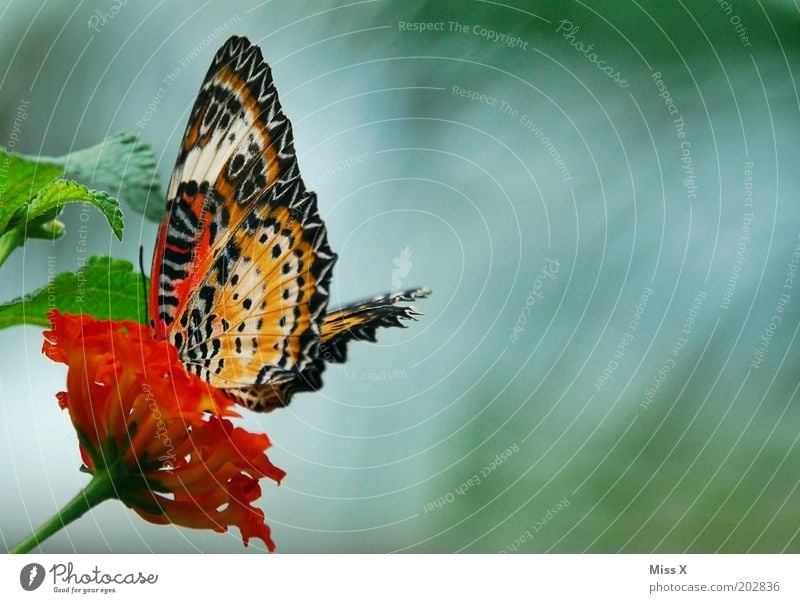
(99,489)
(9,242)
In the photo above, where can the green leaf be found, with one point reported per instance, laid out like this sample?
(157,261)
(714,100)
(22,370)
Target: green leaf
(31,197)
(103,288)
(122,164)
(53,197)
(20,180)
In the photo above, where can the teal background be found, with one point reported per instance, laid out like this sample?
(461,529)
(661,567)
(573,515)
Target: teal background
(381,459)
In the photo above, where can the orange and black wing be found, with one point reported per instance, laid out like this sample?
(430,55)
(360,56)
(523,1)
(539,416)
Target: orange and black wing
(242,265)
(359,321)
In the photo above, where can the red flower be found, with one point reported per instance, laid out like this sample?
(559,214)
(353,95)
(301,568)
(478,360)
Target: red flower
(156,430)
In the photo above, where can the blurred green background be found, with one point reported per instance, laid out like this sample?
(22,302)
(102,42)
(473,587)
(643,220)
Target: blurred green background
(596,369)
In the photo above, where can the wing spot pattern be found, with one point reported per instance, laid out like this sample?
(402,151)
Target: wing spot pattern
(254,242)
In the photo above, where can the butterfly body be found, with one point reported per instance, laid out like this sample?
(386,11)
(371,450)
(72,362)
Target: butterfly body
(242,266)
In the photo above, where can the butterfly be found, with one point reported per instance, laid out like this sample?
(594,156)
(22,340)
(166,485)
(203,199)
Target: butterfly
(242,267)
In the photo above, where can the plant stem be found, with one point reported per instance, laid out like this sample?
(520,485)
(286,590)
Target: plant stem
(9,241)
(99,489)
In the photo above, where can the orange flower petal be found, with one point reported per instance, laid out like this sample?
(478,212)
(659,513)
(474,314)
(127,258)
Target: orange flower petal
(133,403)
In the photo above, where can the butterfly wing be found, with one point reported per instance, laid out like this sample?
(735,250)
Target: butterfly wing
(242,265)
(242,262)
(237,144)
(359,321)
